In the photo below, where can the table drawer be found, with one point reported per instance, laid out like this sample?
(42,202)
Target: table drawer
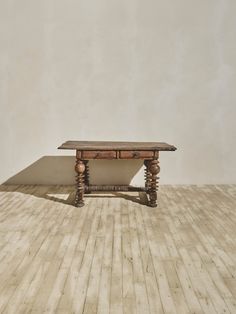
(143,154)
(91,154)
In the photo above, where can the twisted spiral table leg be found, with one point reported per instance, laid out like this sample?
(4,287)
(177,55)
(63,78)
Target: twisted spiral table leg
(86,176)
(79,168)
(154,170)
(147,176)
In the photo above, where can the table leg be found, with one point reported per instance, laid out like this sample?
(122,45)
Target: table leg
(147,176)
(79,168)
(154,170)
(86,175)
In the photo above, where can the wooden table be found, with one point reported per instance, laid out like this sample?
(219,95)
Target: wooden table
(88,150)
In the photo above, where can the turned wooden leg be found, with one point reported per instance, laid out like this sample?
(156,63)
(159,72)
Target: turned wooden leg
(79,168)
(154,170)
(86,176)
(147,176)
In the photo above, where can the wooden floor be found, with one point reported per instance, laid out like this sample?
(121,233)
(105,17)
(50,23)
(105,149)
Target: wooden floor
(116,255)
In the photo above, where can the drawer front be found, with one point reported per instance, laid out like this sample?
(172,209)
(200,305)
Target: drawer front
(91,154)
(140,154)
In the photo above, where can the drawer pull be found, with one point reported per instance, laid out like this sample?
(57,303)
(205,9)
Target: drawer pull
(98,154)
(136,154)
(142,154)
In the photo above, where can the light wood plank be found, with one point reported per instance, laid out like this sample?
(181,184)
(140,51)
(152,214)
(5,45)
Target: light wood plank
(115,255)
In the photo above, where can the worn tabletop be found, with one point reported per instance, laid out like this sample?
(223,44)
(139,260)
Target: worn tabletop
(108,145)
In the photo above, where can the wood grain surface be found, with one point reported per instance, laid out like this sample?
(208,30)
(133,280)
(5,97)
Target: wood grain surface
(107,145)
(115,255)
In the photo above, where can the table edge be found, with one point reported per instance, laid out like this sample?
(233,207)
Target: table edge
(169,148)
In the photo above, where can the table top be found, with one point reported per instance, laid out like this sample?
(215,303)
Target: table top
(107,145)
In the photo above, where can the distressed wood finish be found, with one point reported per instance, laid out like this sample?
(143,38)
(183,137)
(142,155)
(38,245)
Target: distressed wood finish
(79,168)
(136,154)
(106,145)
(115,256)
(95,154)
(88,150)
(147,175)
(86,175)
(122,188)
(154,169)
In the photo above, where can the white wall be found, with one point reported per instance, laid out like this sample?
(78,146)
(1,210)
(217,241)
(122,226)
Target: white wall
(118,70)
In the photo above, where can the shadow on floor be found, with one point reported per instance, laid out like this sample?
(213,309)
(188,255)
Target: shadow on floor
(51,178)
(59,170)
(66,194)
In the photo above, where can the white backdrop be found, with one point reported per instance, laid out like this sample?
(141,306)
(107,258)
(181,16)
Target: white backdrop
(118,70)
